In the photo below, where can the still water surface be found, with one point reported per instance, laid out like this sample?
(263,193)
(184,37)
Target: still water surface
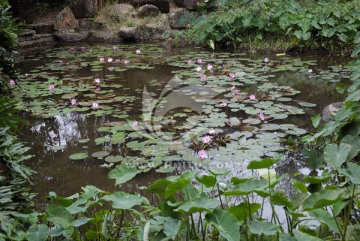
(56,172)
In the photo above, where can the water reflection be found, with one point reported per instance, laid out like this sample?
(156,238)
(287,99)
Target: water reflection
(56,172)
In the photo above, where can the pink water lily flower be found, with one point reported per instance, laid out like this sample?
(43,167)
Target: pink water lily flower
(97,80)
(261,116)
(223,104)
(202,154)
(232,75)
(266,60)
(199,61)
(11,82)
(126,62)
(135,124)
(109,60)
(206,139)
(189,61)
(212,131)
(310,71)
(209,67)
(115,48)
(252,97)
(73,101)
(72,49)
(51,87)
(202,77)
(95,105)
(137,51)
(198,69)
(102,59)
(117,60)
(97,89)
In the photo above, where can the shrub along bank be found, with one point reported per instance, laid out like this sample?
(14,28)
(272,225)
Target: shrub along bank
(281,25)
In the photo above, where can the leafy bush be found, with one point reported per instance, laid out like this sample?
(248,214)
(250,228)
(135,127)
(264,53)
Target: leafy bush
(318,25)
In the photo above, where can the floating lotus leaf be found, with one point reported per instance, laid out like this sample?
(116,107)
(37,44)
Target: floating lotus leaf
(114,159)
(100,154)
(83,140)
(78,156)
(58,148)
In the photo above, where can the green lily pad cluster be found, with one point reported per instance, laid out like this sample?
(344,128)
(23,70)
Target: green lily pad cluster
(246,101)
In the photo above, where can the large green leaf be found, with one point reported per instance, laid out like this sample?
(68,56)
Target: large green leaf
(208,181)
(262,227)
(244,210)
(301,236)
(123,173)
(264,163)
(198,205)
(352,172)
(59,215)
(38,232)
(122,200)
(336,155)
(325,217)
(227,225)
(173,187)
(324,198)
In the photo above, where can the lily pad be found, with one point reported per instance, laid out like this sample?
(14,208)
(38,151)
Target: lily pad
(78,156)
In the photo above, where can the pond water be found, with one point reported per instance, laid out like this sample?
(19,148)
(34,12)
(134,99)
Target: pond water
(92,107)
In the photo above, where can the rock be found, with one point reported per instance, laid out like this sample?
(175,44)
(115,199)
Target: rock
(42,28)
(71,36)
(65,21)
(104,36)
(38,40)
(330,111)
(162,5)
(179,3)
(180,18)
(115,14)
(190,4)
(84,8)
(129,33)
(148,10)
(155,28)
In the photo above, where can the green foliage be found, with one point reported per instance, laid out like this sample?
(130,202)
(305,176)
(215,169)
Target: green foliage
(9,29)
(15,199)
(317,25)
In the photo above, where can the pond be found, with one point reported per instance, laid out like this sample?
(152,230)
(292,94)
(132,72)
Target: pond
(163,110)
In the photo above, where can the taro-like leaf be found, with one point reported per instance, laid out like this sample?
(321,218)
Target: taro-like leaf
(261,227)
(352,172)
(38,232)
(325,217)
(78,156)
(208,181)
(227,225)
(304,236)
(122,200)
(315,120)
(279,198)
(123,173)
(336,155)
(59,215)
(244,210)
(173,187)
(265,163)
(198,205)
(324,198)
